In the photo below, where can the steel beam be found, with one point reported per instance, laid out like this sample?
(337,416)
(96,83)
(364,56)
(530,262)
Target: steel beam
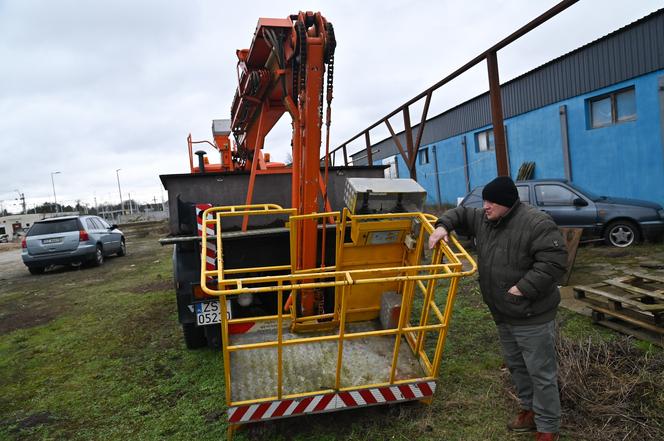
(497,115)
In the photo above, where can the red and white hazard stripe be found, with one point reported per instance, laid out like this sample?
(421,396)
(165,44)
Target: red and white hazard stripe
(211,265)
(211,251)
(330,402)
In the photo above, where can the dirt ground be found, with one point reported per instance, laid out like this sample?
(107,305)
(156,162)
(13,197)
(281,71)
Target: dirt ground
(10,261)
(33,308)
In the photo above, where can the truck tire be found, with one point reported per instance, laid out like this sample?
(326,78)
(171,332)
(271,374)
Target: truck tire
(194,337)
(36,269)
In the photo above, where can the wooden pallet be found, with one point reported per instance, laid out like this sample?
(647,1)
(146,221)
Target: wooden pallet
(632,304)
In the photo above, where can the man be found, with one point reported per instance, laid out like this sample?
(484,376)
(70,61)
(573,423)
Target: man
(521,257)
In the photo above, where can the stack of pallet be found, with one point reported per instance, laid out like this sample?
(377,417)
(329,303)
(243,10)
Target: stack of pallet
(632,304)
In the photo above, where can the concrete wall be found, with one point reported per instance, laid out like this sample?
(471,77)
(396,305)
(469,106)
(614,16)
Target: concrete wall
(143,216)
(24,221)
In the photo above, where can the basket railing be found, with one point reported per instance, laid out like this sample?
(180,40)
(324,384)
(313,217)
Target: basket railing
(414,280)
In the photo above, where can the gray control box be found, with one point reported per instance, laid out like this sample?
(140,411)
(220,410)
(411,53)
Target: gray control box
(379,195)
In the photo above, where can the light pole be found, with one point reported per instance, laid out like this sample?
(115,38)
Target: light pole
(21,197)
(55,199)
(117,175)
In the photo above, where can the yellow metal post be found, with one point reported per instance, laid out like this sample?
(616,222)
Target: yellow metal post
(280,348)
(342,330)
(451,292)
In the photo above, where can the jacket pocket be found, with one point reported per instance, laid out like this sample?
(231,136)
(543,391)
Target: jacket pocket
(514,306)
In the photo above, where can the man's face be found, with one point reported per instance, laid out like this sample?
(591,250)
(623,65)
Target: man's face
(494,211)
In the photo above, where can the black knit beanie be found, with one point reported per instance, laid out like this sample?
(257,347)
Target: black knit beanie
(501,191)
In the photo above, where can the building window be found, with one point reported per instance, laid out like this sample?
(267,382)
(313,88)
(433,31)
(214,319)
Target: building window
(616,107)
(423,156)
(484,141)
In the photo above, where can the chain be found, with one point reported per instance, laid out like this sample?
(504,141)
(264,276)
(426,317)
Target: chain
(330,46)
(320,299)
(301,58)
(329,58)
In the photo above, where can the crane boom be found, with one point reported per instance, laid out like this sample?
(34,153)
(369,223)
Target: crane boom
(283,71)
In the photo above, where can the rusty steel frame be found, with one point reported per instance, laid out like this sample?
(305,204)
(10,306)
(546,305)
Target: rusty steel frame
(410,153)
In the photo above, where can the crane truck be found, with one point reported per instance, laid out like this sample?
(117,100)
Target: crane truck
(310,278)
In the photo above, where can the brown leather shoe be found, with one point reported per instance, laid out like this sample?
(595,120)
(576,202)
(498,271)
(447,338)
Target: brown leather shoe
(523,422)
(545,436)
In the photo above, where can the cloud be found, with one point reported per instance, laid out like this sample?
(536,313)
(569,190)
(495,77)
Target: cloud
(90,87)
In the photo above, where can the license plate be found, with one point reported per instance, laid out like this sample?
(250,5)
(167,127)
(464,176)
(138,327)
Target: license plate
(52,240)
(209,313)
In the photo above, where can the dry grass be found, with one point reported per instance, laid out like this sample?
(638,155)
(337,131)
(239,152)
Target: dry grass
(611,390)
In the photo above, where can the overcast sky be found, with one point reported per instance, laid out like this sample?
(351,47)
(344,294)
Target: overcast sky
(88,87)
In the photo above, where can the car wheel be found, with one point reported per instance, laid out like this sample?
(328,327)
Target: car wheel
(99,257)
(123,248)
(621,234)
(36,269)
(194,336)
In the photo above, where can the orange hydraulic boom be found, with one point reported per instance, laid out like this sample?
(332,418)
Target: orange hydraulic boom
(283,71)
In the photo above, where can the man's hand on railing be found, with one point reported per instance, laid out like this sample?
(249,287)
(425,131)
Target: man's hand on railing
(438,234)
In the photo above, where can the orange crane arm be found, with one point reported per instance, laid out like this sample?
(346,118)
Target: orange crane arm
(283,71)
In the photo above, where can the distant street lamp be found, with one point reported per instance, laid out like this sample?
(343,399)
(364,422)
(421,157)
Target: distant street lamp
(117,175)
(55,199)
(21,197)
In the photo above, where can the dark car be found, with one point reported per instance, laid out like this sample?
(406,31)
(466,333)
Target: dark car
(620,222)
(72,240)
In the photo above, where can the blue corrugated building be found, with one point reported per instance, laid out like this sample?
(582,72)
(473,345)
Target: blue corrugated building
(594,116)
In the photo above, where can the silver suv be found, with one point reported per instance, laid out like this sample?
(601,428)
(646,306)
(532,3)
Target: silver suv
(71,240)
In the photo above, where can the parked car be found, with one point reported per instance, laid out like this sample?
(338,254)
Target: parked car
(4,238)
(72,240)
(620,222)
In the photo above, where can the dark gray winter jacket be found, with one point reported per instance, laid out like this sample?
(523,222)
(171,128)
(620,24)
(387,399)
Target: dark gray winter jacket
(523,248)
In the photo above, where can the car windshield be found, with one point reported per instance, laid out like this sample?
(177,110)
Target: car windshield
(587,193)
(50,227)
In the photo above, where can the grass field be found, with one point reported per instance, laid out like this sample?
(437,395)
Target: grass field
(98,354)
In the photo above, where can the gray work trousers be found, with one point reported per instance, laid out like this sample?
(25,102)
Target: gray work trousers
(530,355)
